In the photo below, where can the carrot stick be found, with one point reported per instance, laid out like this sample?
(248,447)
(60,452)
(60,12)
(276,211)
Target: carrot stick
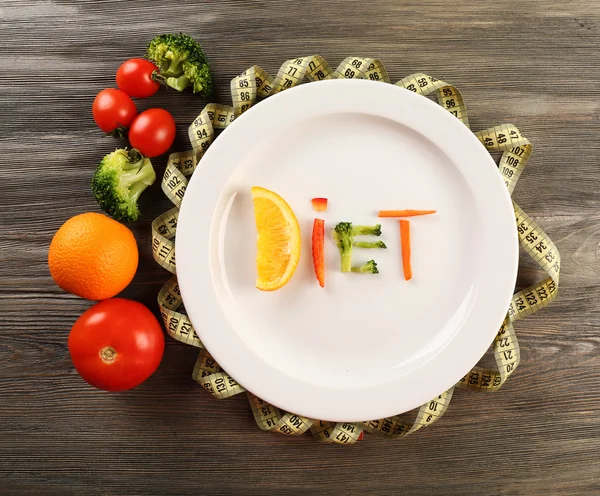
(405,213)
(405,242)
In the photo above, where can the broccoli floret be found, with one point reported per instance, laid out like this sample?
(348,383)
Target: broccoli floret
(344,237)
(367,230)
(366,244)
(181,63)
(344,233)
(369,268)
(199,76)
(169,51)
(119,181)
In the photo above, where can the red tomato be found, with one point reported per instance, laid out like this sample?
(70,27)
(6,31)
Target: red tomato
(116,344)
(113,111)
(134,77)
(152,132)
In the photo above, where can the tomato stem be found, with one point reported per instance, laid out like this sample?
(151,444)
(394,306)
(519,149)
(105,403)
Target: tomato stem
(159,78)
(118,132)
(108,354)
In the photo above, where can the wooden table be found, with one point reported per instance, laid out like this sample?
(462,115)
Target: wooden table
(531,64)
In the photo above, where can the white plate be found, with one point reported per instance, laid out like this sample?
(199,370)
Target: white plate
(366,346)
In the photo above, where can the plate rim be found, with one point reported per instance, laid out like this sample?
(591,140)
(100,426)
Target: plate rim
(256,381)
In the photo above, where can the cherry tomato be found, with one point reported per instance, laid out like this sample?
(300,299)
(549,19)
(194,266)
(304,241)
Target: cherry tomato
(113,111)
(116,344)
(134,77)
(152,132)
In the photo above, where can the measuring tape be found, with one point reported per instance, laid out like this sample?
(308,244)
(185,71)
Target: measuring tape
(255,83)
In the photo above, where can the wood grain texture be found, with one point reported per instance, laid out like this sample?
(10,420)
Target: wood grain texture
(534,64)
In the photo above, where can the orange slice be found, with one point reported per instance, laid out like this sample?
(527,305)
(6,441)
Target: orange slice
(278,243)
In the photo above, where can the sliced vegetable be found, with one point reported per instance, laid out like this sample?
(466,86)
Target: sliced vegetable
(405,213)
(367,230)
(343,235)
(366,244)
(369,268)
(134,77)
(113,111)
(152,132)
(318,250)
(405,243)
(181,63)
(319,204)
(119,181)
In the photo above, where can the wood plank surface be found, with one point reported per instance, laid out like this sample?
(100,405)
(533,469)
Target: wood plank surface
(535,64)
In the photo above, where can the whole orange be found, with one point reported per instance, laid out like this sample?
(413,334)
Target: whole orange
(93,256)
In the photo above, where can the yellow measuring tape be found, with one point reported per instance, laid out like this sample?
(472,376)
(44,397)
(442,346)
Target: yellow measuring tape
(255,83)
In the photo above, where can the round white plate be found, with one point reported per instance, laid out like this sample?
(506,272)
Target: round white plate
(366,346)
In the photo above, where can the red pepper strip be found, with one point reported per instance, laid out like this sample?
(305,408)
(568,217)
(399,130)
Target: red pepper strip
(318,250)
(319,204)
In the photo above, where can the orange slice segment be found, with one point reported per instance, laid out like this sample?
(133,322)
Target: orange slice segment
(278,242)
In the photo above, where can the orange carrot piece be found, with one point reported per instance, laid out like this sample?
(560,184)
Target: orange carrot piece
(319,204)
(405,242)
(404,213)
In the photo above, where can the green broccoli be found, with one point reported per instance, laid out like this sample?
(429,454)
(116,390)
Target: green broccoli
(367,230)
(181,63)
(119,181)
(369,268)
(344,233)
(344,237)
(366,244)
